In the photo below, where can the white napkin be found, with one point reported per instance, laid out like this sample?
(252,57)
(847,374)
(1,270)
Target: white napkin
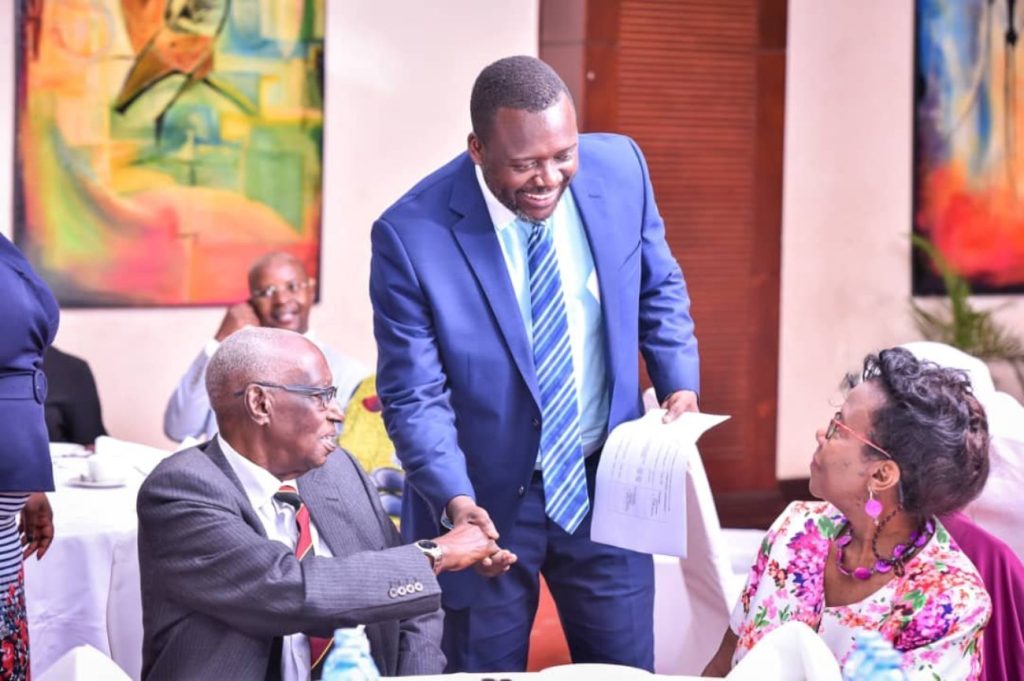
(793,652)
(84,663)
(141,457)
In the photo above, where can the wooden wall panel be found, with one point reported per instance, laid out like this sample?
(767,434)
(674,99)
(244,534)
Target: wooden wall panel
(700,85)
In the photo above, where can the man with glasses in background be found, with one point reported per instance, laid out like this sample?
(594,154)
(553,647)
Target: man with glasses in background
(256,545)
(281,294)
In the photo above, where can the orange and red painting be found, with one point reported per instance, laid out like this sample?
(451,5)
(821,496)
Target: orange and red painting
(969,142)
(164,145)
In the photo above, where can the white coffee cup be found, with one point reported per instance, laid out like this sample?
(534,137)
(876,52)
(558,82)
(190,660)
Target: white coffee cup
(105,468)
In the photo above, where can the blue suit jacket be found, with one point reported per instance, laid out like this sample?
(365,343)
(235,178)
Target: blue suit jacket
(455,364)
(28,322)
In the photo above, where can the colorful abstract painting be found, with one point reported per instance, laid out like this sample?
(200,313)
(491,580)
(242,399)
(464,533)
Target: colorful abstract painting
(969,142)
(164,145)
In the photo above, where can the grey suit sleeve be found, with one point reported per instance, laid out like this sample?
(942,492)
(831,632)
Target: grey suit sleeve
(188,412)
(419,649)
(197,550)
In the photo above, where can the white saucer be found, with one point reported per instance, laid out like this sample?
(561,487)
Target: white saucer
(83,481)
(62,449)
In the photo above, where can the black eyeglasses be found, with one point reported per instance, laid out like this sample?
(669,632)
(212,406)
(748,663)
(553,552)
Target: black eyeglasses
(293,286)
(836,423)
(324,396)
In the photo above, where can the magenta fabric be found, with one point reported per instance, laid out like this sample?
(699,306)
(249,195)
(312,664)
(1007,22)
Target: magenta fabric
(1003,574)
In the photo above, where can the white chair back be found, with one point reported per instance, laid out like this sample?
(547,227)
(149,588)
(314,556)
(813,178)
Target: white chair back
(1000,506)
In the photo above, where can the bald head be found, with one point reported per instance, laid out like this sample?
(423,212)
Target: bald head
(255,354)
(281,291)
(270,261)
(266,388)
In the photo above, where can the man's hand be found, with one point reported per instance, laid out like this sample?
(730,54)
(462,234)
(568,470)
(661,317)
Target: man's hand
(238,316)
(677,403)
(463,547)
(463,510)
(36,526)
(496,563)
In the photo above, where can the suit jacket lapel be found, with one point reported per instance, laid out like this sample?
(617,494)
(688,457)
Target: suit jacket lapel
(475,235)
(212,450)
(328,499)
(588,192)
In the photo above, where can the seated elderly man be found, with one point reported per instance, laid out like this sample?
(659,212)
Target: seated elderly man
(256,545)
(281,294)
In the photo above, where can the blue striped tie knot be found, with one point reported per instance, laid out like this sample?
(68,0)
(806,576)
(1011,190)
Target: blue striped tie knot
(561,450)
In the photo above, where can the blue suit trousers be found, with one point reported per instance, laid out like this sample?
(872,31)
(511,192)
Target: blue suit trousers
(604,596)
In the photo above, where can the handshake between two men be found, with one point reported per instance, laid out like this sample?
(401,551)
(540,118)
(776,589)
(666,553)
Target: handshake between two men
(469,524)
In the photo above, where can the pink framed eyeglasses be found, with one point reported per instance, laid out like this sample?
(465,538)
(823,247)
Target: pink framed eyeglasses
(836,423)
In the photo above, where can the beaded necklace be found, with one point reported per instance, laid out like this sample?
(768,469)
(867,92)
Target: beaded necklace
(901,553)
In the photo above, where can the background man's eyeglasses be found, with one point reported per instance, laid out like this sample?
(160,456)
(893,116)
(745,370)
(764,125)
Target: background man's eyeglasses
(291,287)
(835,424)
(324,396)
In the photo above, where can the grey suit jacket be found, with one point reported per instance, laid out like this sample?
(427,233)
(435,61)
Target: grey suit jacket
(217,594)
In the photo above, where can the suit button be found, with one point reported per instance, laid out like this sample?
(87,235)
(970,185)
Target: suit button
(401,590)
(419,586)
(521,491)
(536,424)
(392,592)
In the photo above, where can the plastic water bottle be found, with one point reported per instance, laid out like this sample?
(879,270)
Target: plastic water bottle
(349,659)
(873,659)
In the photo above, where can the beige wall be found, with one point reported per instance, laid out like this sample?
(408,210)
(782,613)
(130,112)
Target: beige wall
(846,206)
(398,80)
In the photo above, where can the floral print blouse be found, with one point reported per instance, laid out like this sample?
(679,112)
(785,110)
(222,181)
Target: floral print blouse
(934,614)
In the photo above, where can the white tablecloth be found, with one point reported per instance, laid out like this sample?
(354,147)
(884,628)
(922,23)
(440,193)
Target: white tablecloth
(85,591)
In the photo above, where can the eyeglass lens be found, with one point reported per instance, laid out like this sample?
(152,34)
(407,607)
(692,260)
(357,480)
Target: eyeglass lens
(291,287)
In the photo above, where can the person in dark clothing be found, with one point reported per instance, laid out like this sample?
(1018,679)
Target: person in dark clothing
(73,411)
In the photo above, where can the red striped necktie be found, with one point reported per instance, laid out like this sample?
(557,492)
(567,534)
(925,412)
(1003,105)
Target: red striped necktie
(318,646)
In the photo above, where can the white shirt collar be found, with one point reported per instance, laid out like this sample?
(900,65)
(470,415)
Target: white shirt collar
(501,216)
(260,485)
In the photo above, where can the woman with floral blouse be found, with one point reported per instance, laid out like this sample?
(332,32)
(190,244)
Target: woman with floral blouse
(910,443)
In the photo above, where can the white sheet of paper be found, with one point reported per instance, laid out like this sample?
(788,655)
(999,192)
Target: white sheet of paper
(640,495)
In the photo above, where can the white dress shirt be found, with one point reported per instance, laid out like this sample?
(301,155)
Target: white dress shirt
(582,302)
(278,521)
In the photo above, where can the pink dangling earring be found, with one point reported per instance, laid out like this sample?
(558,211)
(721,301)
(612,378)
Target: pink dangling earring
(873,507)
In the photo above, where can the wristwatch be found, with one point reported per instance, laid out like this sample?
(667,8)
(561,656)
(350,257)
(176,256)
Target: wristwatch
(433,551)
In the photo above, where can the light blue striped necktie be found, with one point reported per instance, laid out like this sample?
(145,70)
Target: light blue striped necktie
(561,450)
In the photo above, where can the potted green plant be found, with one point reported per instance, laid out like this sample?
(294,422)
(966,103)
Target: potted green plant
(960,324)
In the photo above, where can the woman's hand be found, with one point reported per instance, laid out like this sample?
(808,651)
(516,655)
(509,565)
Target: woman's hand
(36,526)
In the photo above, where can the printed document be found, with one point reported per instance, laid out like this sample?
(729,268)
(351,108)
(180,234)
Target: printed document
(640,497)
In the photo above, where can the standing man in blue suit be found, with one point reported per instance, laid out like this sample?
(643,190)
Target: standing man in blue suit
(508,314)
